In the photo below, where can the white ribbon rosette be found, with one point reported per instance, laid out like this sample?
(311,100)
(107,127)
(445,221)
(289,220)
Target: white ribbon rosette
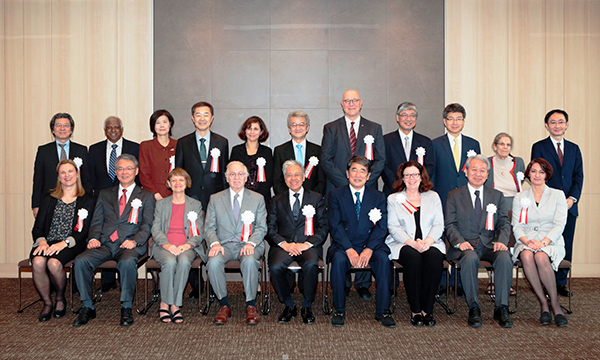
(402,200)
(420,151)
(82,214)
(369,141)
(525,204)
(214,164)
(470,153)
(192,216)
(520,177)
(136,204)
(489,222)
(312,162)
(247,220)
(260,176)
(309,212)
(172,162)
(374,215)
(78,161)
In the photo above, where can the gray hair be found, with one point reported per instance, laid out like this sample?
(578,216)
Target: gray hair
(289,163)
(239,163)
(128,157)
(407,106)
(481,158)
(110,118)
(298,113)
(500,136)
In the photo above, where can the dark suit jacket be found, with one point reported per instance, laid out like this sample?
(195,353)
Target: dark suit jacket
(204,182)
(238,153)
(569,176)
(446,177)
(44,170)
(461,225)
(336,151)
(99,171)
(286,151)
(106,218)
(346,231)
(283,228)
(394,156)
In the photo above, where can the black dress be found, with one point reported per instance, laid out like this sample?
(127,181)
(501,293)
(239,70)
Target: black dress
(239,153)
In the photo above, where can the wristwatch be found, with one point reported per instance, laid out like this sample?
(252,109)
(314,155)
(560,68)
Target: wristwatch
(67,242)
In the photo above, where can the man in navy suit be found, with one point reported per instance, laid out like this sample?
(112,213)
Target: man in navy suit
(567,163)
(358,223)
(401,146)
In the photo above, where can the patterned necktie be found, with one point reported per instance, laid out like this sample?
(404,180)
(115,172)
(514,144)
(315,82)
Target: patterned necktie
(478,209)
(357,205)
(296,208)
(406,149)
(122,203)
(352,138)
(561,156)
(456,154)
(112,162)
(299,154)
(63,153)
(236,208)
(203,152)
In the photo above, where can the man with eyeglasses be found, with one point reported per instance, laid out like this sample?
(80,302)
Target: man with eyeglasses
(405,144)
(298,148)
(567,163)
(349,136)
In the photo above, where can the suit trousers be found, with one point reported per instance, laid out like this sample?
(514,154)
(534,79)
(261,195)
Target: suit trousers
(279,260)
(249,265)
(469,268)
(568,235)
(380,265)
(174,274)
(86,262)
(422,273)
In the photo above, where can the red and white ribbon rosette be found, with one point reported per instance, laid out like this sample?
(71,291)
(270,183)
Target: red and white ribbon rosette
(374,215)
(420,151)
(312,162)
(401,198)
(247,220)
(78,161)
(82,214)
(369,141)
(260,176)
(520,177)
(309,212)
(172,162)
(525,204)
(136,204)
(470,153)
(214,164)
(192,216)
(489,222)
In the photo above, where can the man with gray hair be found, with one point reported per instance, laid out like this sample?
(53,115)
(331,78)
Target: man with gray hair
(477,229)
(298,148)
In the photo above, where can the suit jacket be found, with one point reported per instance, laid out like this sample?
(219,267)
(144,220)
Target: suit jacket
(99,171)
(286,151)
(283,228)
(220,226)
(162,221)
(106,218)
(336,151)
(446,177)
(518,166)
(155,165)
(402,226)
(394,156)
(238,153)
(346,231)
(567,177)
(44,169)
(204,182)
(461,225)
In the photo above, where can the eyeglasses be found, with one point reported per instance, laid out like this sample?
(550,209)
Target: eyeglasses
(351,101)
(121,169)
(300,125)
(404,116)
(504,144)
(559,122)
(237,174)
(458,119)
(63,126)
(412,176)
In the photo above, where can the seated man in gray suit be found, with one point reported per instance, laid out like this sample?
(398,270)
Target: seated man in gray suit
(234,229)
(119,231)
(477,229)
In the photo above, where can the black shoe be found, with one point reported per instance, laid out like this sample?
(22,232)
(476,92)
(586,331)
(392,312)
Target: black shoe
(46,313)
(428,320)
(562,290)
(287,314)
(194,294)
(307,316)
(106,288)
(441,292)
(60,313)
(460,292)
(85,315)
(545,318)
(346,291)
(474,317)
(416,320)
(126,317)
(364,294)
(386,319)
(501,315)
(338,319)
(560,320)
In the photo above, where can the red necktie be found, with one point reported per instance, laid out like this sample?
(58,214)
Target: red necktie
(352,138)
(561,156)
(122,203)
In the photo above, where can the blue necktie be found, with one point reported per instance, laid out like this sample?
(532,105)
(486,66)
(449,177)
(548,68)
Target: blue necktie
(112,162)
(357,205)
(299,154)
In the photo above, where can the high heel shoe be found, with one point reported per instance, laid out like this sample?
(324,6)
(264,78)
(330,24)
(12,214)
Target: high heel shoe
(60,313)
(46,313)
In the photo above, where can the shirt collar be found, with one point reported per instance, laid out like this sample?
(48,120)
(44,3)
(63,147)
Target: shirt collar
(119,143)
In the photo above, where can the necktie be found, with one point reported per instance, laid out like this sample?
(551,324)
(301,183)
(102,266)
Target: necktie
(63,153)
(296,208)
(299,157)
(478,209)
(406,149)
(357,205)
(236,208)
(122,203)
(352,138)
(112,162)
(456,154)
(203,153)
(561,156)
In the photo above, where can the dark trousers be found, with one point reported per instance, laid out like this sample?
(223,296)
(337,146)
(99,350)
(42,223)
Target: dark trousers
(568,235)
(422,273)
(279,260)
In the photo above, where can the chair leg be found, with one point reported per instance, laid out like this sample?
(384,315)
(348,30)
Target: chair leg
(327,309)
(568,310)
(395,291)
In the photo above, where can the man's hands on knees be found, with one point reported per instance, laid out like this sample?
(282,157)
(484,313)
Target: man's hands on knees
(215,249)
(500,247)
(465,245)
(93,244)
(359,261)
(248,249)
(128,244)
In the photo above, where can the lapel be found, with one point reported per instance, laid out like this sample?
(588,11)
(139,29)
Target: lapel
(134,194)
(465,148)
(103,161)
(311,150)
(186,222)
(194,149)
(487,199)
(467,203)
(543,200)
(398,147)
(226,202)
(550,149)
(450,158)
(343,133)
(284,205)
(114,200)
(288,151)
(362,132)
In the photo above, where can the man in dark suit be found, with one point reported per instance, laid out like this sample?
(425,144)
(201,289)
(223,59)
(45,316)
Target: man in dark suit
(120,228)
(344,138)
(567,163)
(204,155)
(477,229)
(404,145)
(48,156)
(301,150)
(297,228)
(358,222)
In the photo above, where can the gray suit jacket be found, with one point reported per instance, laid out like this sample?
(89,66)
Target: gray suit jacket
(162,220)
(219,225)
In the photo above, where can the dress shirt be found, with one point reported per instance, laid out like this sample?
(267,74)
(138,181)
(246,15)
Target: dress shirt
(206,143)
(240,197)
(118,150)
(562,144)
(356,126)
(361,191)
(293,198)
(67,145)
(403,140)
(473,197)
(127,194)
(303,143)
(458,141)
